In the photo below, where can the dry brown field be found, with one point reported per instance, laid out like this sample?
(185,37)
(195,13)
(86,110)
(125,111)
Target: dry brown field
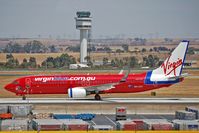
(40,57)
(188,88)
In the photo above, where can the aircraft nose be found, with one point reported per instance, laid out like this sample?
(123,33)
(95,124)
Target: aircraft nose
(9,87)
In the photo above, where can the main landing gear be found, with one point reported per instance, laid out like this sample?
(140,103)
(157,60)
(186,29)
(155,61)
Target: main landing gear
(97,97)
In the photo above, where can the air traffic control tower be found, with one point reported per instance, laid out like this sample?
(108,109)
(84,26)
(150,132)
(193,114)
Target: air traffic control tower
(83,23)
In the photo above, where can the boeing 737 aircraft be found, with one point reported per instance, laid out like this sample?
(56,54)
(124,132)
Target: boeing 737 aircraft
(79,86)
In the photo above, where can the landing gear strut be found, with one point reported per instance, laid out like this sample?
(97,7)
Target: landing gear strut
(97,97)
(23,97)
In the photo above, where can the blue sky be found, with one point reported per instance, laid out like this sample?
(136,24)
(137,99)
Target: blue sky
(111,18)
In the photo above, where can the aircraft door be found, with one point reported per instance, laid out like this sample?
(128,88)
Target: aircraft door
(28,85)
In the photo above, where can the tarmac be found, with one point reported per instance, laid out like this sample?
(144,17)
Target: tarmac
(137,108)
(103,101)
(105,106)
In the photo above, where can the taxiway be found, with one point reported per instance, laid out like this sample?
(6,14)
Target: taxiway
(103,101)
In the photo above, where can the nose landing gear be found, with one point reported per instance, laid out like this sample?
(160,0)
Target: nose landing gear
(23,97)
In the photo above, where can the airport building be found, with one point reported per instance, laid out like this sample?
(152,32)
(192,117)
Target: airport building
(83,23)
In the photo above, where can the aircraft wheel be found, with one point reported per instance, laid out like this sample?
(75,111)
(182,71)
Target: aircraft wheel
(97,97)
(23,97)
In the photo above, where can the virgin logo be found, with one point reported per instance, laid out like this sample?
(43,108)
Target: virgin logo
(170,67)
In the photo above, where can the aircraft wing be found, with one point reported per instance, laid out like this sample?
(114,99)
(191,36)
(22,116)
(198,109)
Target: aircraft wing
(101,87)
(107,86)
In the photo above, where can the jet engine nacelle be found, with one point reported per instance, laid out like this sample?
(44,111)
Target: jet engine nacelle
(77,92)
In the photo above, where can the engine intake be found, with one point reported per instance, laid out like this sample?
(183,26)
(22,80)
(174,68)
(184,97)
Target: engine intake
(77,92)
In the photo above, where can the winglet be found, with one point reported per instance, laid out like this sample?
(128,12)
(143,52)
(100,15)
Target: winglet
(121,72)
(125,75)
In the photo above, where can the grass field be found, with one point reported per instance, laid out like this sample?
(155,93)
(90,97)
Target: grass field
(188,88)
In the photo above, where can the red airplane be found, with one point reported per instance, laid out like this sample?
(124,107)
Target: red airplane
(79,86)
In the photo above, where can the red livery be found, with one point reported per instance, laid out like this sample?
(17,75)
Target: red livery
(79,86)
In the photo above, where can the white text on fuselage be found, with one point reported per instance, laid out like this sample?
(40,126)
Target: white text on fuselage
(46,79)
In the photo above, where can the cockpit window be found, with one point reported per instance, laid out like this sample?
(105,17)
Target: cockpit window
(15,82)
(18,88)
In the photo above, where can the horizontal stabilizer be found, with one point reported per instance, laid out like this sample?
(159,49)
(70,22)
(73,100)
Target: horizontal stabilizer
(177,77)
